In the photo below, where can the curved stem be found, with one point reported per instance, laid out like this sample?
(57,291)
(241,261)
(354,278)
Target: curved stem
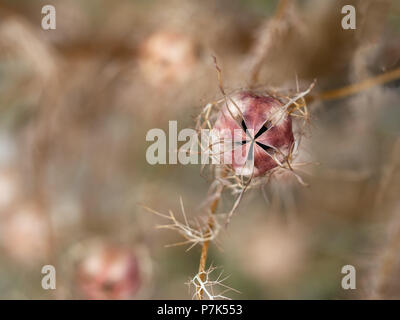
(206,244)
(357,87)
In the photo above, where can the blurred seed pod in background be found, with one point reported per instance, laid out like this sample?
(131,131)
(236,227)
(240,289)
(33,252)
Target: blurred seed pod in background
(274,252)
(99,269)
(24,234)
(167,57)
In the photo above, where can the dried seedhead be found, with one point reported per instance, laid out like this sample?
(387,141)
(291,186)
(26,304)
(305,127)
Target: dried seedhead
(109,272)
(254,135)
(251,137)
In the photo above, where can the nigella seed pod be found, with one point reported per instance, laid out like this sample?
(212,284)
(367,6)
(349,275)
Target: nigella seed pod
(109,272)
(261,129)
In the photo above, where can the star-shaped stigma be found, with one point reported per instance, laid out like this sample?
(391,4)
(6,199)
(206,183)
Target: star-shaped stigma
(260,138)
(251,140)
(266,126)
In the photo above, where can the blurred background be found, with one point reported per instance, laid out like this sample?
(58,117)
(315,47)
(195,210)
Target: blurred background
(76,104)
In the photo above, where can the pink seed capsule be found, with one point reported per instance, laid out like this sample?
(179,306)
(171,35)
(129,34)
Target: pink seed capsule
(109,272)
(261,130)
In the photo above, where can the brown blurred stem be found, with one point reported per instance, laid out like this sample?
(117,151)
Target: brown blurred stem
(273,28)
(356,87)
(387,263)
(387,266)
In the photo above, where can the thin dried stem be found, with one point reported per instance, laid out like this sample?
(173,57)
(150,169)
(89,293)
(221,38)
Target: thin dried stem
(194,233)
(357,87)
(206,244)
